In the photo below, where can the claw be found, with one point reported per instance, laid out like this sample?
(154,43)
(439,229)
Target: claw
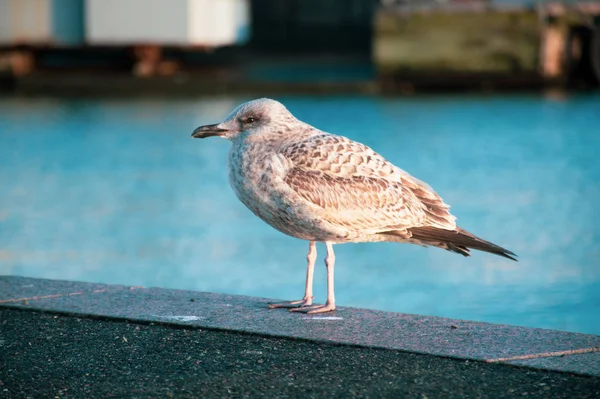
(291,304)
(328,307)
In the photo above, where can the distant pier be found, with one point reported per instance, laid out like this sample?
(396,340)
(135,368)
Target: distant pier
(342,46)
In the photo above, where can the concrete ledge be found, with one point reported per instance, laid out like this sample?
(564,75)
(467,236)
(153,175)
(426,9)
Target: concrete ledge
(489,343)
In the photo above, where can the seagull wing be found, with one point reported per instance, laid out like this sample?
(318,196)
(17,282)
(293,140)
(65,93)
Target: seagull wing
(359,189)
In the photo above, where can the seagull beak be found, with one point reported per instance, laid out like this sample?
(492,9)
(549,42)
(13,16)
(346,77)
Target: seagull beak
(208,131)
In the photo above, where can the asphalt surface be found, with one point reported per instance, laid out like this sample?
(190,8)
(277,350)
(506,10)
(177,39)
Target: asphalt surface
(467,340)
(44,355)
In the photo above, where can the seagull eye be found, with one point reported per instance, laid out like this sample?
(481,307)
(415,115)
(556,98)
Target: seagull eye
(250,119)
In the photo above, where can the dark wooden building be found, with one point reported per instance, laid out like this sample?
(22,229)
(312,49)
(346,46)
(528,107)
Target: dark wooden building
(330,26)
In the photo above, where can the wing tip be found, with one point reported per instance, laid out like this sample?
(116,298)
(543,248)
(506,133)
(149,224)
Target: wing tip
(459,241)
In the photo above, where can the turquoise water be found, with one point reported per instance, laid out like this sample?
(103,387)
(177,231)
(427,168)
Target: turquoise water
(116,191)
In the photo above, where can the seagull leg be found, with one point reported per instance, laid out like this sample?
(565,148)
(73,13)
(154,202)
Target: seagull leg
(330,304)
(311,257)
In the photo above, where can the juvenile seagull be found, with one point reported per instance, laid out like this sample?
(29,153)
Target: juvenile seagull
(318,186)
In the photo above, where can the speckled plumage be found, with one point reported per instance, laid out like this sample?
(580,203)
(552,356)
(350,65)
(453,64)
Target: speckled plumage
(318,186)
(322,187)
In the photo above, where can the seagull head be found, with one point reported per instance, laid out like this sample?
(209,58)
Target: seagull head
(253,118)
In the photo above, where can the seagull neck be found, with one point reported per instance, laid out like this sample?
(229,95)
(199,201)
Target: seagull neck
(258,141)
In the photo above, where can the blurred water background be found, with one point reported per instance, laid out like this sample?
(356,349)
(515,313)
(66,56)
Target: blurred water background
(115,191)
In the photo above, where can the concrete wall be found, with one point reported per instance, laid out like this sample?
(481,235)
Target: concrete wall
(169,22)
(482,42)
(41,22)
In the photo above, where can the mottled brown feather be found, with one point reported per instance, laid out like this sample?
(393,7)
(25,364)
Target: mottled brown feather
(362,202)
(360,188)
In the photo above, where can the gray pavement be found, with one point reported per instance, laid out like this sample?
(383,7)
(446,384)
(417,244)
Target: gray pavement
(70,339)
(57,356)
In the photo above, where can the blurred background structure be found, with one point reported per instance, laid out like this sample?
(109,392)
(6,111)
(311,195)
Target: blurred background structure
(348,45)
(101,182)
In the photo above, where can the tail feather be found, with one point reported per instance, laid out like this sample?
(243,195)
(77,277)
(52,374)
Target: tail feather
(459,241)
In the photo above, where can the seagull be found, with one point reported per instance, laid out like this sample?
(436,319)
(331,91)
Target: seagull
(321,187)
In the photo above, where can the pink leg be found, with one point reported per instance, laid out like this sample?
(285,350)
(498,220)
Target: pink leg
(311,257)
(330,304)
